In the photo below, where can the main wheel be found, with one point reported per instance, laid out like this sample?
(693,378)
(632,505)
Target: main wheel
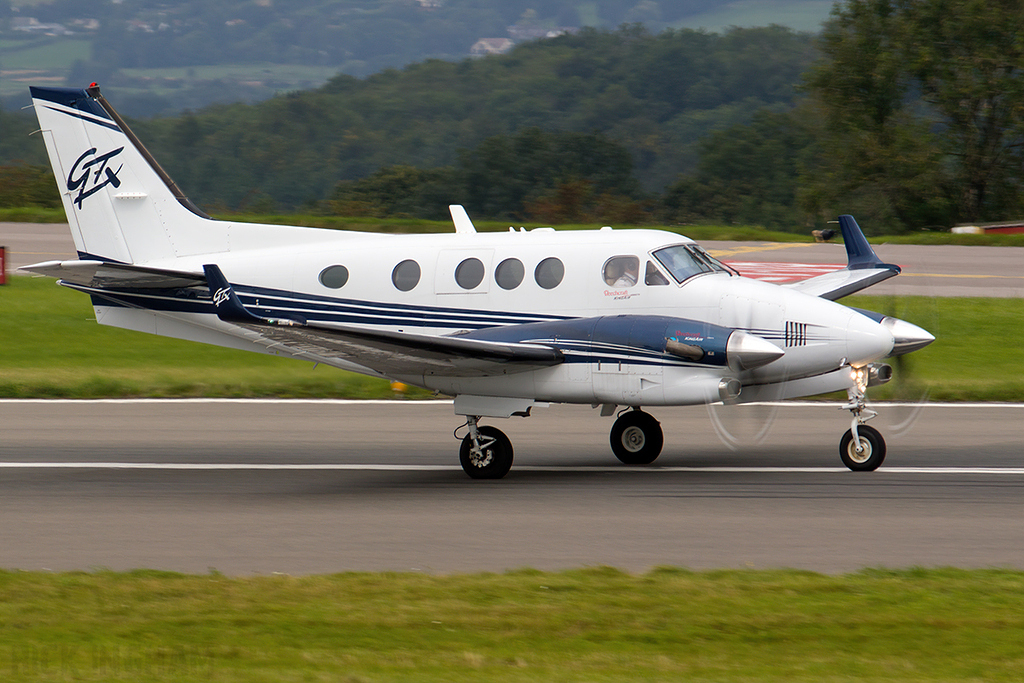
(872,449)
(495,459)
(637,438)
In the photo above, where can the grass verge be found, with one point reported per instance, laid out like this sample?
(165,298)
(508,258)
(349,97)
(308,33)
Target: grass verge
(53,348)
(745,233)
(586,625)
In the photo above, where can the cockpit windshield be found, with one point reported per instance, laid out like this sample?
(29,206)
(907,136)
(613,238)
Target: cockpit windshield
(686,260)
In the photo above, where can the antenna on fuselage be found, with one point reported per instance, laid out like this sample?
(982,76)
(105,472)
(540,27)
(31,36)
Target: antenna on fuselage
(463,226)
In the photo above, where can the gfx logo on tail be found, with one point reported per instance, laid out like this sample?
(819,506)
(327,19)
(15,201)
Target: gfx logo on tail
(86,177)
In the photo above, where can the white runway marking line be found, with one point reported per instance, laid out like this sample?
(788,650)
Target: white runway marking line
(442,401)
(456,468)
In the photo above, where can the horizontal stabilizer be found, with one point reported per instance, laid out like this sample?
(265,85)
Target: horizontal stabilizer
(840,283)
(863,267)
(104,275)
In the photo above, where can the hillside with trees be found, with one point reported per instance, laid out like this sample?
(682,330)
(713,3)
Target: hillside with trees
(160,57)
(654,95)
(907,113)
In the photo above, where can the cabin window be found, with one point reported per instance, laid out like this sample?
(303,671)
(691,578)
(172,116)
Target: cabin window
(549,273)
(406,275)
(684,261)
(470,273)
(509,273)
(621,271)
(653,276)
(334,277)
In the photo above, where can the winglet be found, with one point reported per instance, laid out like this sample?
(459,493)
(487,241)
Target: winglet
(858,252)
(229,306)
(463,225)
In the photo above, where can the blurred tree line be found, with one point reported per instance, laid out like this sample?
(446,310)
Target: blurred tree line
(907,113)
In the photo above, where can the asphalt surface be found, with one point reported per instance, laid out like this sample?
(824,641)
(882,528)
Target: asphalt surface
(300,487)
(927,270)
(310,487)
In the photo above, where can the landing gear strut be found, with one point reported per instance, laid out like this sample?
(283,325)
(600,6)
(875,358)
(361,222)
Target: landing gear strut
(637,438)
(486,452)
(862,448)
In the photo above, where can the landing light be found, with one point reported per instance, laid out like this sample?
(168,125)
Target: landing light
(871,375)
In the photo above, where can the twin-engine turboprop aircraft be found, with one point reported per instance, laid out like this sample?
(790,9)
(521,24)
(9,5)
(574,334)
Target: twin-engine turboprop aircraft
(500,321)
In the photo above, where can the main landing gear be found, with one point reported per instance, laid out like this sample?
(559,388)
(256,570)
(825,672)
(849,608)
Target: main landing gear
(486,452)
(637,438)
(862,448)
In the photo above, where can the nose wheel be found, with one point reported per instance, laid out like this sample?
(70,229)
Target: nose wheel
(864,452)
(637,438)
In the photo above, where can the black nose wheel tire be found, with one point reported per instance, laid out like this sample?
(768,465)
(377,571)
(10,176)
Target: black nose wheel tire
(872,451)
(637,438)
(495,457)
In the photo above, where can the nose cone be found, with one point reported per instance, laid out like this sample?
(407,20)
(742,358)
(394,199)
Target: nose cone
(745,351)
(866,340)
(906,336)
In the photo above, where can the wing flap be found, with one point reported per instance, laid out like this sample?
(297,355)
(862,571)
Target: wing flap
(394,353)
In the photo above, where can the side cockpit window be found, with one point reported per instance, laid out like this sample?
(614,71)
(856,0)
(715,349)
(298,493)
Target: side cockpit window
(684,261)
(621,271)
(653,276)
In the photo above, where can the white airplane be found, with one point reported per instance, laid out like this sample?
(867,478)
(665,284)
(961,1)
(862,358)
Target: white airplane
(501,321)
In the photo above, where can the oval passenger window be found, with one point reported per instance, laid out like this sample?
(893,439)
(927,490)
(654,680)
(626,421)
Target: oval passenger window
(470,273)
(509,273)
(549,273)
(406,275)
(334,277)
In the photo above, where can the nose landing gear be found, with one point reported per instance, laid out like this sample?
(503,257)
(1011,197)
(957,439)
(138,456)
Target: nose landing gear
(862,448)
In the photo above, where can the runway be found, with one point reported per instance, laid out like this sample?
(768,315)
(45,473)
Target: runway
(255,487)
(927,270)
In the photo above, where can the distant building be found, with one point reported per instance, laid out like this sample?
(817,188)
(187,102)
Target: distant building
(86,24)
(491,46)
(33,25)
(519,33)
(1006,227)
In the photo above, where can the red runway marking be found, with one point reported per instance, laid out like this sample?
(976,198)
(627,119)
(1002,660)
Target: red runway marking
(782,272)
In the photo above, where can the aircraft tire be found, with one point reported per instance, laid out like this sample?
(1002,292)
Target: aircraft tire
(871,457)
(637,438)
(497,458)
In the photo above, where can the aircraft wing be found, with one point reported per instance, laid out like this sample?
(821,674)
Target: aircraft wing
(863,269)
(389,353)
(106,275)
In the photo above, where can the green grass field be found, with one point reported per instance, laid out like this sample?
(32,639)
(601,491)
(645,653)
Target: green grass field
(52,347)
(751,233)
(587,625)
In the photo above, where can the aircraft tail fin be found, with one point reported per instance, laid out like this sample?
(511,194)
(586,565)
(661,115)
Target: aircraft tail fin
(121,205)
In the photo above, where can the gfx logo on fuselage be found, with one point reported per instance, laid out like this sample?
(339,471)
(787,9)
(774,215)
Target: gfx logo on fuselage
(93,175)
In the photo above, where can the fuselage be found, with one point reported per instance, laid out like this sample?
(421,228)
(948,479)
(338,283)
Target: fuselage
(451,284)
